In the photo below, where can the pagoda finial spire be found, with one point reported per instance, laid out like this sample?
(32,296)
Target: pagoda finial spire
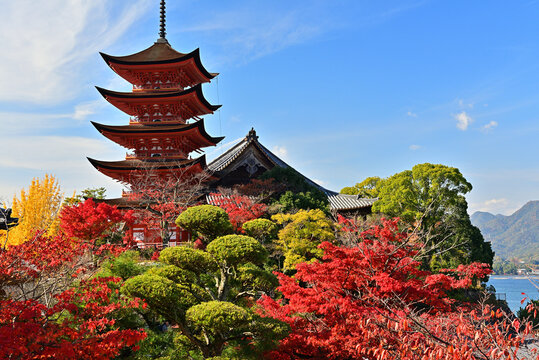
(162,22)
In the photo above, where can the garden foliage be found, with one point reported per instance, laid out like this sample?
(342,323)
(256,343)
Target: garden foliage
(37,209)
(373,301)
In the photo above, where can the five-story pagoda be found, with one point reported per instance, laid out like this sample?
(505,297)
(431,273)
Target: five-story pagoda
(165,109)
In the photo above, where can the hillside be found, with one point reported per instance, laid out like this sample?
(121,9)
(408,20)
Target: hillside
(516,235)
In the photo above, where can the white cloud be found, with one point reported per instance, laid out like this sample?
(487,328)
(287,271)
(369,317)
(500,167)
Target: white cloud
(20,123)
(411,114)
(463,120)
(415,147)
(83,110)
(280,151)
(320,182)
(55,153)
(248,34)
(235,119)
(494,206)
(61,156)
(46,43)
(490,125)
(463,104)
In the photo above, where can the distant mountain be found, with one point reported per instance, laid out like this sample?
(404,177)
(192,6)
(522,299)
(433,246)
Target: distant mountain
(516,235)
(480,218)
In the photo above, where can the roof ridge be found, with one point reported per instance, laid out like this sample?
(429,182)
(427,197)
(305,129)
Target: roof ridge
(239,144)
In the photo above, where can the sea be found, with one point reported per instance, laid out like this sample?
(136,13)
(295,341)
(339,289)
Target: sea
(512,287)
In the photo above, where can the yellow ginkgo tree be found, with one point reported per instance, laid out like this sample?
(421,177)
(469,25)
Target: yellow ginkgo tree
(37,209)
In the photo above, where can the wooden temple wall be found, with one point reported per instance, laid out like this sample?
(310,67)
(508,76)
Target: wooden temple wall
(147,237)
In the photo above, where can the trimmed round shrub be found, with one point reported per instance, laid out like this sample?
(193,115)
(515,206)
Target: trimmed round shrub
(207,221)
(196,261)
(237,249)
(161,294)
(218,317)
(174,273)
(257,278)
(261,229)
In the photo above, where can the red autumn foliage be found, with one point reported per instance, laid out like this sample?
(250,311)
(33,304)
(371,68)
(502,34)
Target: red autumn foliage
(37,257)
(372,301)
(42,314)
(240,208)
(79,326)
(156,214)
(155,255)
(89,222)
(161,197)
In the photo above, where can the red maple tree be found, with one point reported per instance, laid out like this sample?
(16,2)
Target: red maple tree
(48,309)
(240,208)
(80,325)
(372,301)
(91,222)
(159,198)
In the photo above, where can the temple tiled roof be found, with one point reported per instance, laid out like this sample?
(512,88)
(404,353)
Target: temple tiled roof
(156,128)
(167,95)
(348,202)
(337,202)
(129,102)
(234,152)
(155,164)
(159,53)
(216,198)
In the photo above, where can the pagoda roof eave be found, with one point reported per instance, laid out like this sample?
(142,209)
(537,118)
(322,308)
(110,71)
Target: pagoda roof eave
(136,164)
(197,89)
(158,129)
(149,57)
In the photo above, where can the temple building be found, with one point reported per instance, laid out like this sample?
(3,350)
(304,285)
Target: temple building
(165,109)
(165,129)
(166,96)
(248,159)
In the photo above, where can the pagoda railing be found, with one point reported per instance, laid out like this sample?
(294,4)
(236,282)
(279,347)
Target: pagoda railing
(157,119)
(157,87)
(156,155)
(159,245)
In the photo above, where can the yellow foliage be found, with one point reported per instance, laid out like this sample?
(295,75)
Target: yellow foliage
(301,235)
(37,210)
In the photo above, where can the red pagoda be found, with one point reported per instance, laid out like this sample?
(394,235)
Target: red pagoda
(165,124)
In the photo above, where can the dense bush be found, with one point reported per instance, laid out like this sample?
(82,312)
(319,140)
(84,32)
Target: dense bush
(208,221)
(298,192)
(235,249)
(373,301)
(261,229)
(301,234)
(208,295)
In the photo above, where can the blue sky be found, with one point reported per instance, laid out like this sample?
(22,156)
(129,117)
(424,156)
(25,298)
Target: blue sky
(341,90)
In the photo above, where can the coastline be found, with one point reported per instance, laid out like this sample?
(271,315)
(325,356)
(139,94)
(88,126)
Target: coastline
(506,277)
